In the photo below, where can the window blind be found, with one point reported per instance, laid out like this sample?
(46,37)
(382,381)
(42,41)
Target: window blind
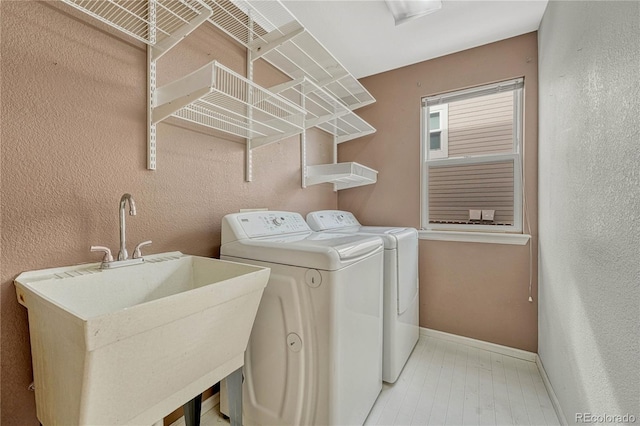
(456,189)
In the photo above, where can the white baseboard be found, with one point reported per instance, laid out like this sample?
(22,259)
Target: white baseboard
(552,395)
(480,344)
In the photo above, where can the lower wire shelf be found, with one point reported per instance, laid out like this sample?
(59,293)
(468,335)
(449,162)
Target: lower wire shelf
(347,127)
(343,175)
(216,97)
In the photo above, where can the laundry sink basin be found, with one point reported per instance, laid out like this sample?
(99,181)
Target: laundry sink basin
(129,345)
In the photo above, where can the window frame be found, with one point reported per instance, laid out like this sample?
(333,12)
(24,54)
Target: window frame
(443,109)
(516,156)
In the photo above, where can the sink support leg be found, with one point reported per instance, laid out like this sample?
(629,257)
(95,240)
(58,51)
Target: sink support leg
(192,411)
(234,390)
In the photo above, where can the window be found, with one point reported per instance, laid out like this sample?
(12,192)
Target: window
(472,165)
(438,131)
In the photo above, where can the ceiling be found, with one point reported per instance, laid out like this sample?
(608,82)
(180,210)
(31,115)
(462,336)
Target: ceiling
(362,35)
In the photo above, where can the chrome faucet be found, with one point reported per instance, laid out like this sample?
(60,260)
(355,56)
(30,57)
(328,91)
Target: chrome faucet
(122,254)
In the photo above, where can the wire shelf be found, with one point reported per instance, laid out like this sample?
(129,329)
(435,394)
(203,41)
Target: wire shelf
(150,21)
(323,110)
(343,175)
(270,31)
(218,98)
(347,127)
(319,105)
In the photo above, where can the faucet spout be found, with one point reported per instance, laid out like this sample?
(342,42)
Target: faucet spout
(122,254)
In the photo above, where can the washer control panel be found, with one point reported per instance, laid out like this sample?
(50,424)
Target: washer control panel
(262,224)
(331,219)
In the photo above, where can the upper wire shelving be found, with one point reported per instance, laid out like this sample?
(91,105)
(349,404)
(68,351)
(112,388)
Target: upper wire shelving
(158,23)
(270,31)
(322,92)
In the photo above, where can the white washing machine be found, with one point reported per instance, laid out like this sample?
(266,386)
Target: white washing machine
(315,352)
(401,329)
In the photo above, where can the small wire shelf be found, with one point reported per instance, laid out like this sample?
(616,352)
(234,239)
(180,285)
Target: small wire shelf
(216,97)
(343,175)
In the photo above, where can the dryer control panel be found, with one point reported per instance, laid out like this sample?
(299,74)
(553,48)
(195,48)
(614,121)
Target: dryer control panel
(262,224)
(331,219)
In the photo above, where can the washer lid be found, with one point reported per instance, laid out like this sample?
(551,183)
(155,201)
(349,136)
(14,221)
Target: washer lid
(345,222)
(324,220)
(325,251)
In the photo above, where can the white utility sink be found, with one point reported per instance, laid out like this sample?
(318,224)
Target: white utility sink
(130,345)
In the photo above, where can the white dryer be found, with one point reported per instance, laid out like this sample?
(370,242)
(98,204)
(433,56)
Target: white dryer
(401,329)
(315,352)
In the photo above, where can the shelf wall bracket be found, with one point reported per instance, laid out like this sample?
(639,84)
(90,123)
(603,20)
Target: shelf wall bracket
(286,85)
(162,47)
(320,120)
(262,141)
(323,83)
(261,49)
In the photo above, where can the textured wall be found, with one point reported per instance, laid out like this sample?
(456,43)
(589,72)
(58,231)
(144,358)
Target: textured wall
(74,140)
(590,205)
(471,289)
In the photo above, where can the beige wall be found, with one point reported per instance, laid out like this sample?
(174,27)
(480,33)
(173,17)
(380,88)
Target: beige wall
(471,289)
(73,141)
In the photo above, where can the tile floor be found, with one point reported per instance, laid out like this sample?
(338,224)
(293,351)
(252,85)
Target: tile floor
(446,383)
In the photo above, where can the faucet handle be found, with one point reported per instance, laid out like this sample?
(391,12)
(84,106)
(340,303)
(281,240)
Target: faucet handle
(107,253)
(136,252)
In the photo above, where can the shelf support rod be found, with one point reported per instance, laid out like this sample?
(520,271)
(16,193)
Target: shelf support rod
(151,90)
(303,146)
(335,158)
(248,168)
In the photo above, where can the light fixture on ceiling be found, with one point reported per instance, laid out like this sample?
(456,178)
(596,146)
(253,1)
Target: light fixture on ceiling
(406,10)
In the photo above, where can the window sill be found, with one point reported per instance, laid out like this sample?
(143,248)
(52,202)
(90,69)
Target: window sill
(474,237)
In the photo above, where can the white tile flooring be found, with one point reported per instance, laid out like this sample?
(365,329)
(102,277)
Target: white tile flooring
(446,383)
